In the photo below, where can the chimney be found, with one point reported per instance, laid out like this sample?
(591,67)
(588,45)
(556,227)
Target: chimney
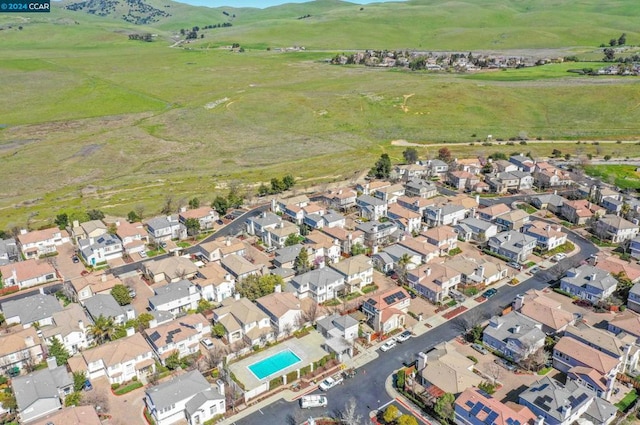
(76,223)
(548,227)
(117,223)
(220,384)
(516,329)
(277,288)
(227,242)
(518,302)
(422,360)
(236,296)
(130,331)
(153,323)
(555,191)
(28,341)
(183,209)
(478,199)
(539,420)
(81,325)
(495,322)
(592,277)
(23,231)
(566,410)
(51,363)
(507,237)
(427,271)
(480,271)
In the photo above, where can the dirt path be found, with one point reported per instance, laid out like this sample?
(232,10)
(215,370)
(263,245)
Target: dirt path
(427,144)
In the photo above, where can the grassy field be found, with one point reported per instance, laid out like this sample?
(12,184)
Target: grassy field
(623,176)
(93,120)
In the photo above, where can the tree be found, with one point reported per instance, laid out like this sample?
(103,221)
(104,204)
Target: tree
(444,407)
(62,221)
(57,350)
(407,419)
(410,155)
(403,263)
(72,399)
(263,190)
(204,305)
(382,168)
(277,186)
(622,40)
(613,42)
(357,249)
(444,154)
(310,313)
(221,205)
(567,156)
(253,287)
(494,371)
(292,239)
(607,157)
(487,387)
(173,361)
(193,226)
(95,214)
(121,294)
(132,217)
(79,378)
(288,181)
(556,153)
(103,329)
(194,203)
(97,399)
(391,413)
(234,198)
(218,330)
(143,321)
(609,54)
(301,263)
(348,415)
(168,206)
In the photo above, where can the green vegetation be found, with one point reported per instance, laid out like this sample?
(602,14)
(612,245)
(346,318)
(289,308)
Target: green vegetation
(128,388)
(121,294)
(455,251)
(57,350)
(623,176)
(544,370)
(627,401)
(369,288)
(528,208)
(566,248)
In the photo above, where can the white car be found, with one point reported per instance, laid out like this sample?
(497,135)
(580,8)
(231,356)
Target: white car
(560,256)
(404,336)
(207,343)
(328,383)
(388,345)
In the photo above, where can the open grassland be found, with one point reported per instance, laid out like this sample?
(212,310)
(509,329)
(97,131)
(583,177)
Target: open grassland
(93,120)
(623,176)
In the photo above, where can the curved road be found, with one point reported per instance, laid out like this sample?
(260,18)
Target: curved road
(369,389)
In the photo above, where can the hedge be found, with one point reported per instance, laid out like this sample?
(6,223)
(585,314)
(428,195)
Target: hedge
(128,388)
(275,383)
(292,376)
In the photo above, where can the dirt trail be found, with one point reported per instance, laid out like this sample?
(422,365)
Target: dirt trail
(427,144)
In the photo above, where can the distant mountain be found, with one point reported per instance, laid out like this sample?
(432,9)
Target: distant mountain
(137,12)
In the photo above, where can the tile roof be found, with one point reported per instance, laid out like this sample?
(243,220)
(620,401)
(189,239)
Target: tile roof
(491,407)
(36,236)
(279,303)
(588,356)
(28,269)
(118,351)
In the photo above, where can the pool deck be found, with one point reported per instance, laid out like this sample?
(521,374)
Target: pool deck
(308,349)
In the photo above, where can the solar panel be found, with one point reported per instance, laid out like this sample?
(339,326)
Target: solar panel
(469,403)
(476,409)
(491,418)
(487,409)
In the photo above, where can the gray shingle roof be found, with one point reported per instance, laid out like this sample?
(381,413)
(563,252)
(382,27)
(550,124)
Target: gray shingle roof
(171,292)
(40,385)
(265,220)
(476,223)
(317,278)
(515,326)
(593,276)
(194,404)
(103,305)
(178,389)
(549,395)
(32,309)
(370,200)
(288,253)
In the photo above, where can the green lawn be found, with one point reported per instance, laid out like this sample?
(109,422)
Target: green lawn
(623,176)
(628,399)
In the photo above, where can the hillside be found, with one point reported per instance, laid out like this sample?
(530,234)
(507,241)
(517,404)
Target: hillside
(94,119)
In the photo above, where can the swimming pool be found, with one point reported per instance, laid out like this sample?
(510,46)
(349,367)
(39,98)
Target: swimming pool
(274,363)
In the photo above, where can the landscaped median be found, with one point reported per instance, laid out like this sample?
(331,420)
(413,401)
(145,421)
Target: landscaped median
(118,389)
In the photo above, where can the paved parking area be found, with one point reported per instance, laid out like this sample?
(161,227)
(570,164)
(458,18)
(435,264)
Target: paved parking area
(143,292)
(125,409)
(64,263)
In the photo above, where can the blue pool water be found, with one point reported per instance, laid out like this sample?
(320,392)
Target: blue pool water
(274,363)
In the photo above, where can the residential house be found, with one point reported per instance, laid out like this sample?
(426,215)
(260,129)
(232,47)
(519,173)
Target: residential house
(20,347)
(580,211)
(9,251)
(546,176)
(555,403)
(73,415)
(318,284)
(615,228)
(333,219)
(41,392)
(206,217)
(588,283)
(633,302)
(475,229)
(243,320)
(513,220)
(445,370)
(524,163)
(40,243)
(613,204)
(634,247)
(378,234)
(514,245)
(162,229)
(386,311)
(504,166)
(284,310)
(277,236)
(258,225)
(170,269)
(443,237)
(371,208)
(120,360)
(239,267)
(368,187)
(92,284)
(70,327)
(341,199)
(101,249)
(548,201)
(89,229)
(623,346)
(345,238)
(420,188)
(215,283)
(391,257)
(491,213)
(297,213)
(470,165)
(525,179)
(514,335)
(616,266)
(449,214)
(503,182)
(407,220)
(178,297)
(28,273)
(462,180)
(357,272)
(436,167)
(548,312)
(133,236)
(337,326)
(627,322)
(433,281)
(38,308)
(326,249)
(548,236)
(476,407)
(106,306)
(181,335)
(219,248)
(478,272)
(188,397)
(408,172)
(286,257)
(416,204)
(586,366)
(389,194)
(420,245)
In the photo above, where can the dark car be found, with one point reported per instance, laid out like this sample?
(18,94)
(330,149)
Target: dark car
(87,385)
(75,259)
(489,293)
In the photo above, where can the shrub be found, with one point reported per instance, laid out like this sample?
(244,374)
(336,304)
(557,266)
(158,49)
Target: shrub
(275,383)
(400,378)
(115,386)
(473,359)
(487,387)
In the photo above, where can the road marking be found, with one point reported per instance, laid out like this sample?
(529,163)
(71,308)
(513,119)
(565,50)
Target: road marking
(261,412)
(410,409)
(386,404)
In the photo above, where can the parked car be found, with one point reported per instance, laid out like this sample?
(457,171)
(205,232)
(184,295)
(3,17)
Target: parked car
(489,293)
(506,364)
(87,385)
(534,270)
(559,256)
(132,292)
(75,259)
(515,265)
(313,400)
(404,336)
(143,254)
(331,382)
(479,348)
(583,303)
(388,345)
(207,343)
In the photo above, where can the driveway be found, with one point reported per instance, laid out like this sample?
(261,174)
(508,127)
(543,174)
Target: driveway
(125,409)
(143,292)
(64,263)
